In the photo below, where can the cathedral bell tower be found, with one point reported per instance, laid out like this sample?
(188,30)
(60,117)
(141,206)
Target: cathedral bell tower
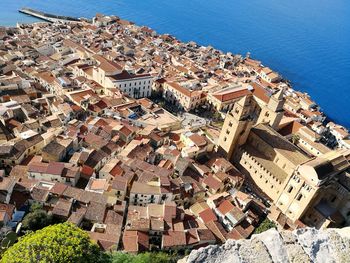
(272,113)
(236,127)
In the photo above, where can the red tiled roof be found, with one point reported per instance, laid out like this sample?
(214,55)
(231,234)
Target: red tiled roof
(86,170)
(207,215)
(58,188)
(232,95)
(55,168)
(260,92)
(225,207)
(125,131)
(212,183)
(198,140)
(117,171)
(192,236)
(174,238)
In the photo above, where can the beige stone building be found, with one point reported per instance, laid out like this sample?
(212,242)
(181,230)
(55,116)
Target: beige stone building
(182,97)
(315,191)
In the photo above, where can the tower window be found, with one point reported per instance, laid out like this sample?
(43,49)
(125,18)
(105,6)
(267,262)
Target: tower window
(299,197)
(230,124)
(267,114)
(225,139)
(290,189)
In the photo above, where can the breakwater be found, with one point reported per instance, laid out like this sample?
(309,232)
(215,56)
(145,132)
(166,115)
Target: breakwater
(48,17)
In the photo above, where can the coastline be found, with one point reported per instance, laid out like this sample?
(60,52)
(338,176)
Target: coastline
(289,83)
(113,125)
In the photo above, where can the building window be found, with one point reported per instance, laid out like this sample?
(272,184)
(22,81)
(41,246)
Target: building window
(227,132)
(290,189)
(225,139)
(299,197)
(230,124)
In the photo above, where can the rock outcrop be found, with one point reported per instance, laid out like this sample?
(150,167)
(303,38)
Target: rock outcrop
(299,246)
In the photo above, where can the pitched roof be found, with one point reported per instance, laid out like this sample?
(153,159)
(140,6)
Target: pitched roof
(174,238)
(225,207)
(207,215)
(231,95)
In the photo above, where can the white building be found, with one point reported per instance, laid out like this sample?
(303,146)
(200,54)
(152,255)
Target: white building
(112,75)
(142,194)
(135,85)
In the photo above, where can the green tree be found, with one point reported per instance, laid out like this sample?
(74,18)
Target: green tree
(265,225)
(7,240)
(37,218)
(154,257)
(61,243)
(35,206)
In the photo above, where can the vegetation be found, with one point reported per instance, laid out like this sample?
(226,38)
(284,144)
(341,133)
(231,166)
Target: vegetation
(37,218)
(7,238)
(217,116)
(57,243)
(295,139)
(265,225)
(154,257)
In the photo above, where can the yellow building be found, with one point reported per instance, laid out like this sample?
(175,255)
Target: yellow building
(314,191)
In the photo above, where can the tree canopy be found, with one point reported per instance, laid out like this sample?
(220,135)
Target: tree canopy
(57,243)
(154,257)
(37,219)
(265,225)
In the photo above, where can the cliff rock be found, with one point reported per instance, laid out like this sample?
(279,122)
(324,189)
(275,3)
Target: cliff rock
(299,246)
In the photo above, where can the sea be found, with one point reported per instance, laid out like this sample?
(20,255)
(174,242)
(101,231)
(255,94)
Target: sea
(306,41)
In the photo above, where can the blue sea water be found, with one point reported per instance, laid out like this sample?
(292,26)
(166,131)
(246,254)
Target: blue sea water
(307,41)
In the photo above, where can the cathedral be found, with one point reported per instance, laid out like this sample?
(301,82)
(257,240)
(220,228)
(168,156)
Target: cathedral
(312,190)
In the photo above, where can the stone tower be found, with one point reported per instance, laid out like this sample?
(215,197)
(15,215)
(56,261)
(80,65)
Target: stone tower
(236,127)
(272,113)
